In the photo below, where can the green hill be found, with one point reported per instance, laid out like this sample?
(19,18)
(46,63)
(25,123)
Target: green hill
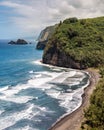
(76,44)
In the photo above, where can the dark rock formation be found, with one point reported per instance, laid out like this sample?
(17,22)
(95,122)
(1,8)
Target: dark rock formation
(41,44)
(11,42)
(18,42)
(54,57)
(44,36)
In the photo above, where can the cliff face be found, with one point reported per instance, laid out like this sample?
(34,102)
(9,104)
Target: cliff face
(54,57)
(44,36)
(77,44)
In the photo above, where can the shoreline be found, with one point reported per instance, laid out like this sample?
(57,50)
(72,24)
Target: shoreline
(73,120)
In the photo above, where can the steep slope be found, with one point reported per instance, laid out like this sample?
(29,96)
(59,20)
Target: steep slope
(44,36)
(77,44)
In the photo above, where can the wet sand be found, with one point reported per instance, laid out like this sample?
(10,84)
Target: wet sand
(73,120)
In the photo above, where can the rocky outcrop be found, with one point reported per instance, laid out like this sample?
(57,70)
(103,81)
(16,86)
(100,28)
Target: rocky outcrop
(44,36)
(18,42)
(41,45)
(54,57)
(11,42)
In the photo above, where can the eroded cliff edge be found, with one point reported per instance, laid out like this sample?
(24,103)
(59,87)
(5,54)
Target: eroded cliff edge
(56,57)
(44,36)
(76,44)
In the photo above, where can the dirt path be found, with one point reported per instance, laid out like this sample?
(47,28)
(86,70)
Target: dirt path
(73,120)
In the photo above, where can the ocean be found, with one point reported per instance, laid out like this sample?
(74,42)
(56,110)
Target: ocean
(34,96)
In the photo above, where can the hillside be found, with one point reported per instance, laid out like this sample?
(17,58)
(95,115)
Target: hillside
(44,36)
(94,114)
(76,44)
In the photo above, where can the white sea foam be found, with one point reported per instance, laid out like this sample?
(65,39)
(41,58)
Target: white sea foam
(1,111)
(72,102)
(49,82)
(9,91)
(39,62)
(63,76)
(43,83)
(12,119)
(31,72)
(22,99)
(27,128)
(9,94)
(4,88)
(53,94)
(39,75)
(28,113)
(40,81)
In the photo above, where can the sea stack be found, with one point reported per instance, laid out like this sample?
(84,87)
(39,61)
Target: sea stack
(18,42)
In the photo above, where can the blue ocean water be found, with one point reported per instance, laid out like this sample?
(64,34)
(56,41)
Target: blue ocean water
(33,96)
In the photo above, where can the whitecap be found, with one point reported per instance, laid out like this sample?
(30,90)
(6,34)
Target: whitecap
(12,118)
(16,99)
(53,94)
(31,72)
(39,75)
(1,111)
(4,88)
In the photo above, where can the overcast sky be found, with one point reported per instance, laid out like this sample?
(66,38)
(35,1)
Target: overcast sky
(23,18)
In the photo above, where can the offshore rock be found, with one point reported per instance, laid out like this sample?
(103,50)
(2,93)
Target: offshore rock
(18,42)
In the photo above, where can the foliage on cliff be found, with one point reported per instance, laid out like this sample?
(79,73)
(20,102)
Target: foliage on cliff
(82,40)
(95,113)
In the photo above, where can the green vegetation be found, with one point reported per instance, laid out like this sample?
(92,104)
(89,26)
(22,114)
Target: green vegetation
(82,40)
(95,113)
(102,72)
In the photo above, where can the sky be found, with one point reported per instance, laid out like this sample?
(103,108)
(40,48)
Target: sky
(26,18)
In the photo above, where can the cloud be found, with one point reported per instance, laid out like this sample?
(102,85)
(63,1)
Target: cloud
(30,16)
(79,8)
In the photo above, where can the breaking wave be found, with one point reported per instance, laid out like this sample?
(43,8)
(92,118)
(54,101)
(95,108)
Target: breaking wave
(47,96)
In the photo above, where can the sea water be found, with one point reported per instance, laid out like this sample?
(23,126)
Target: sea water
(33,96)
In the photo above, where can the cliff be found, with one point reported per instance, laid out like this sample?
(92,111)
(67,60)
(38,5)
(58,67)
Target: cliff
(76,44)
(18,42)
(44,36)
(56,57)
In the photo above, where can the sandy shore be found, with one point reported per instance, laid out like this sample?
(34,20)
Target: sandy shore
(73,120)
